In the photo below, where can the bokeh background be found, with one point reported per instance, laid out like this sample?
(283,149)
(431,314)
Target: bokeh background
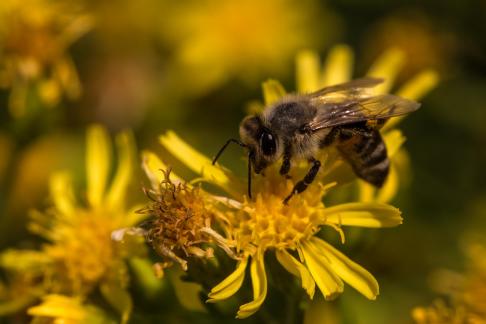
(196,67)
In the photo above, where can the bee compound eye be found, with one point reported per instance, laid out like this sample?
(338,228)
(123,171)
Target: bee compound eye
(268,143)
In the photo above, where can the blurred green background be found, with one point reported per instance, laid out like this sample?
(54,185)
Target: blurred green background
(194,67)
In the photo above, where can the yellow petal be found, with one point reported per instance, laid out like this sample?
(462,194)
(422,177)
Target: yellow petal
(201,164)
(422,315)
(40,224)
(393,141)
(229,286)
(98,161)
(387,67)
(296,268)
(259,282)
(351,272)
(338,67)
(154,169)
(399,176)
(256,278)
(364,214)
(28,261)
(78,26)
(419,85)
(273,91)
(62,193)
(366,191)
(325,278)
(390,187)
(308,69)
(67,76)
(59,306)
(415,89)
(124,173)
(49,92)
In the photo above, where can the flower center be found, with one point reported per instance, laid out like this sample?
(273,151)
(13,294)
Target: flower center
(83,252)
(267,222)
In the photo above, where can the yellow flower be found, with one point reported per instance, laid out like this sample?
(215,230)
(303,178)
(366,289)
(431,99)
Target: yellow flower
(424,45)
(66,310)
(440,313)
(338,68)
(266,224)
(35,36)
(217,41)
(79,255)
(464,294)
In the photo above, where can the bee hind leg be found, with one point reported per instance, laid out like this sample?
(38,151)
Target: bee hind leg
(308,179)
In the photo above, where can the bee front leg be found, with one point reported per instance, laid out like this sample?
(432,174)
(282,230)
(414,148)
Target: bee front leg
(308,179)
(284,170)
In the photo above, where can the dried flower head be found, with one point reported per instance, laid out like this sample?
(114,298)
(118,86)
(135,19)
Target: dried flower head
(180,223)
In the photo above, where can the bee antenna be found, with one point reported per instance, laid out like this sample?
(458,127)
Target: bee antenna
(250,158)
(231,140)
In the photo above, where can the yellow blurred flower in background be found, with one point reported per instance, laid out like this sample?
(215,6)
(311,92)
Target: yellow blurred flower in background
(80,256)
(34,39)
(215,41)
(463,294)
(67,310)
(416,36)
(441,313)
(26,181)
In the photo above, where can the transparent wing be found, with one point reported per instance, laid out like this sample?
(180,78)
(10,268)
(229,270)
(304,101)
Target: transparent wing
(341,110)
(352,88)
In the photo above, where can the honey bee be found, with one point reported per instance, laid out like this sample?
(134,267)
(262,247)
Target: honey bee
(346,116)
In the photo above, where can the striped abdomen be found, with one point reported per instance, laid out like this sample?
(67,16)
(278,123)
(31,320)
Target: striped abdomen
(364,149)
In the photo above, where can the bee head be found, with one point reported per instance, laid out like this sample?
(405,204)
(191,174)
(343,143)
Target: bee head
(261,142)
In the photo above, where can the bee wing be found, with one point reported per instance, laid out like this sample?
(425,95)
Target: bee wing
(341,110)
(351,88)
